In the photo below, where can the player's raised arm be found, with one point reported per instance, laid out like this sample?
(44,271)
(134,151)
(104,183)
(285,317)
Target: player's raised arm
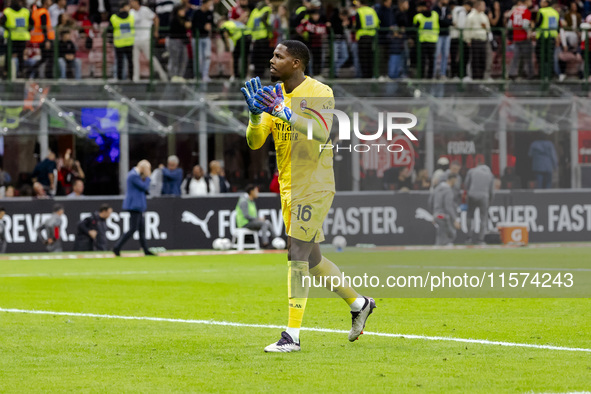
(257,130)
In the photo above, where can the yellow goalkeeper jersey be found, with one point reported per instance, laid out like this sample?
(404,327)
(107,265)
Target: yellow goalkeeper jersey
(303,167)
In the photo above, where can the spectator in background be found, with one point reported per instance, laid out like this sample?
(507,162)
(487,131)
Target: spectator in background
(98,8)
(69,171)
(397,49)
(316,31)
(233,30)
(177,45)
(339,23)
(203,24)
(422,181)
(19,35)
(2,231)
(43,35)
(196,184)
(403,181)
(258,24)
(279,25)
(444,41)
(476,36)
(520,22)
(164,10)
(544,162)
(91,233)
(479,188)
(10,192)
(5,180)
(366,24)
(44,172)
(427,23)
(572,20)
(70,66)
(50,230)
(238,10)
(172,177)
(144,18)
(386,18)
(459,15)
(402,21)
(56,9)
(138,185)
(39,191)
(77,190)
(510,180)
(216,178)
(122,24)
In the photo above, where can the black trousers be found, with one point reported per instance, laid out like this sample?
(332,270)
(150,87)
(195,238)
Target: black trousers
(365,47)
(545,59)
(18,49)
(316,53)
(124,52)
(261,54)
(47,59)
(136,223)
(454,51)
(236,56)
(428,59)
(478,58)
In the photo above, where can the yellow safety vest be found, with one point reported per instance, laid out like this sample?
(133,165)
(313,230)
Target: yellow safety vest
(550,22)
(369,22)
(428,27)
(233,30)
(17,24)
(123,31)
(256,26)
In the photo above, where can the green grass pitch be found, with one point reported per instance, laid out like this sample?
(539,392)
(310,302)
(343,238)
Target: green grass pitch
(49,353)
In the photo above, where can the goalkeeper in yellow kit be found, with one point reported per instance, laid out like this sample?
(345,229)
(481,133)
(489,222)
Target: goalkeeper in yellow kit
(306,178)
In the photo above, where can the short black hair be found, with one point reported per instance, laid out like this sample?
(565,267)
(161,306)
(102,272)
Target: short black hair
(58,207)
(104,207)
(250,188)
(2,209)
(451,177)
(298,50)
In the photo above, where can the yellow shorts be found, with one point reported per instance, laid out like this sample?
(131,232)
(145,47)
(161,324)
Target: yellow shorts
(305,216)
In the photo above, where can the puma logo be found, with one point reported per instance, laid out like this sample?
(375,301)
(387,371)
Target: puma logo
(189,217)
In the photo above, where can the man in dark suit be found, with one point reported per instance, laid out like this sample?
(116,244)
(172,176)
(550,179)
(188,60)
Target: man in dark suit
(138,185)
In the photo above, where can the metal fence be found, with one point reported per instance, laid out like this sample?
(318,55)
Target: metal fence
(390,53)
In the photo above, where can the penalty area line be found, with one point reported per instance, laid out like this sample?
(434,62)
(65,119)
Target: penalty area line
(327,330)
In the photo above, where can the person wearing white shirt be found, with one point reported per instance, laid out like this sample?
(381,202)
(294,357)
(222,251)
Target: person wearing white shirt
(144,19)
(458,18)
(196,184)
(476,36)
(55,10)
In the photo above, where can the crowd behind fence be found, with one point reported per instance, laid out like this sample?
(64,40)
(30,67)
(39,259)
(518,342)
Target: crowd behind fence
(445,40)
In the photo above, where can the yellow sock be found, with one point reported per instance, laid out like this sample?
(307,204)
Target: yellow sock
(297,291)
(328,268)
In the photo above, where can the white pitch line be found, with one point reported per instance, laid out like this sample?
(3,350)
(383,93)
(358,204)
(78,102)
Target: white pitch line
(328,330)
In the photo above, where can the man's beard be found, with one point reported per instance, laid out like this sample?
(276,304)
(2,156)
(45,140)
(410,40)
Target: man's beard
(275,78)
